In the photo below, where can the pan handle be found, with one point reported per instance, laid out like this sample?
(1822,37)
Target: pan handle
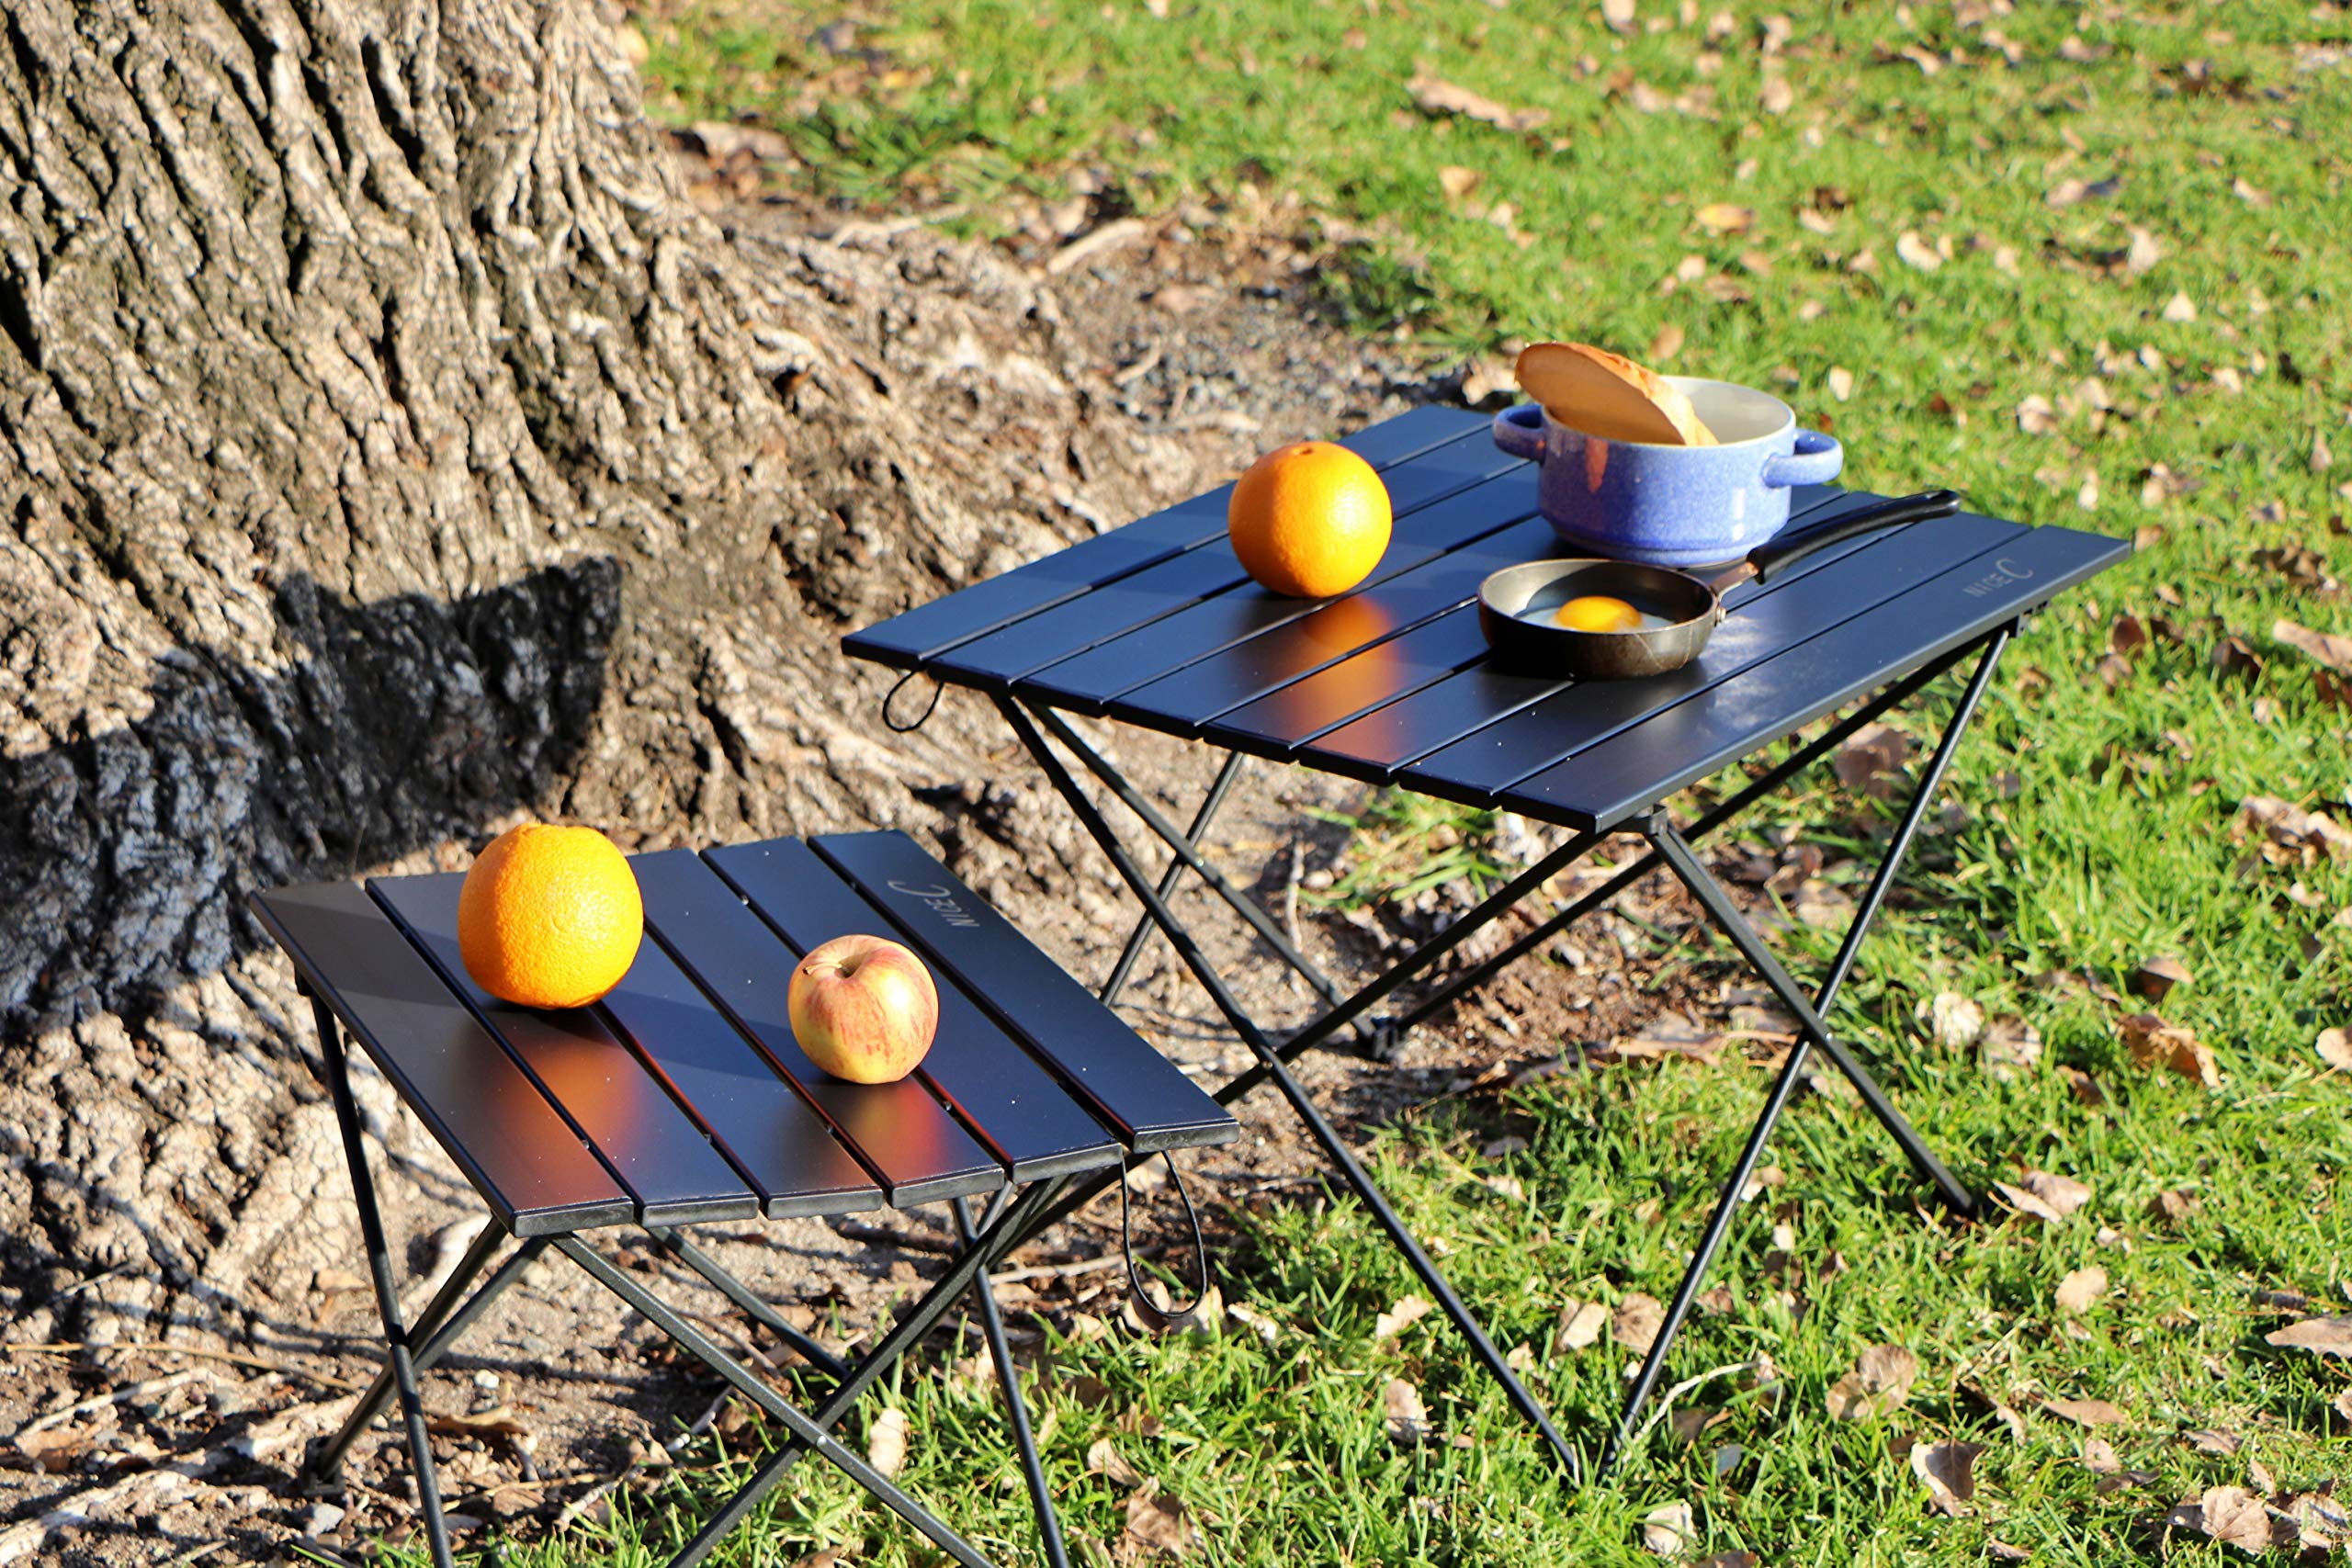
(1768,559)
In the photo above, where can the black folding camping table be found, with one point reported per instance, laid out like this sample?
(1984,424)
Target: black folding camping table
(1156,625)
(682,1098)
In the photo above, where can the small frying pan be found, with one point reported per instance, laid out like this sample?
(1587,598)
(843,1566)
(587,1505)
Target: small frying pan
(1690,606)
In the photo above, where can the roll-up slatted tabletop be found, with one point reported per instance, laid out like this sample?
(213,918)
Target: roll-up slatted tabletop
(681,1096)
(1156,625)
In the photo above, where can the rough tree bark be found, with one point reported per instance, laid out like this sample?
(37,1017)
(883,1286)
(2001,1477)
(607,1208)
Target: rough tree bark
(389,452)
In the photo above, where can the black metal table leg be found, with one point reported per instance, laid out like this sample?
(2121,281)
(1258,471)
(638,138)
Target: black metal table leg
(1210,805)
(1677,850)
(801,1425)
(1016,1413)
(908,1331)
(379,1270)
(1334,1148)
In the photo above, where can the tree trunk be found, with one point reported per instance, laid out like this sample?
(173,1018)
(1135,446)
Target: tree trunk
(390,454)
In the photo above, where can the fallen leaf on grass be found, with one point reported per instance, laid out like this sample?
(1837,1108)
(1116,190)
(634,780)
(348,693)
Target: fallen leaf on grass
(1666,345)
(2180,308)
(2335,652)
(1581,1324)
(1841,382)
(2010,1047)
(2037,417)
(1879,1384)
(1457,182)
(1104,1460)
(1727,1559)
(2066,193)
(1949,1470)
(1873,760)
(2000,1551)
(2291,834)
(2087,1412)
(2155,1044)
(886,1442)
(2047,1198)
(1636,1322)
(2100,1457)
(1408,1311)
(2335,1048)
(1436,96)
(2078,1289)
(1618,13)
(2211,1442)
(2156,977)
(1158,1523)
(1952,1020)
(2235,1516)
(2171,1206)
(2320,1335)
(1726,218)
(1668,1530)
(1406,1418)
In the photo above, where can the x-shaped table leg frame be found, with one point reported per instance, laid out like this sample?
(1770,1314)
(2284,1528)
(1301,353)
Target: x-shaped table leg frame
(1671,847)
(412,1349)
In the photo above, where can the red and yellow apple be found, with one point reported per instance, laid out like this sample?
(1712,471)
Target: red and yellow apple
(863,1009)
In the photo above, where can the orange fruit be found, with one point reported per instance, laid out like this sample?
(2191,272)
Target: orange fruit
(1310,519)
(549,917)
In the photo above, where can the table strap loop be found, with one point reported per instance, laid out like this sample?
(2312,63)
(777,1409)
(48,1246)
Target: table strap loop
(1146,1308)
(920,719)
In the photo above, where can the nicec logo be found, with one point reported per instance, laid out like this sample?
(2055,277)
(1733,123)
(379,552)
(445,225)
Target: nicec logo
(941,902)
(2004,572)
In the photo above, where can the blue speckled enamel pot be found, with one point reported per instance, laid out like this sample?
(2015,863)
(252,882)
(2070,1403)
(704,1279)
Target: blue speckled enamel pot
(1674,505)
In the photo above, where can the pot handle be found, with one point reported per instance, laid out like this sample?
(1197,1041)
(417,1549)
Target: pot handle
(1518,430)
(1768,559)
(1817,460)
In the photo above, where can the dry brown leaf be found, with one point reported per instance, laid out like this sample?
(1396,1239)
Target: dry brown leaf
(1726,218)
(1666,345)
(1408,1311)
(2211,1442)
(2087,1412)
(2000,1551)
(2236,1517)
(1949,1470)
(2010,1047)
(1103,1459)
(2037,417)
(1879,1384)
(2180,308)
(886,1442)
(1913,251)
(498,1422)
(1581,1324)
(55,1452)
(1158,1523)
(2320,1335)
(1436,96)
(2063,1194)
(1618,13)
(2335,1048)
(2066,193)
(2323,648)
(1952,1020)
(1669,1531)
(1636,1322)
(1841,382)
(2156,977)
(1406,1418)
(1457,182)
(2173,1205)
(2100,1457)
(2079,1289)
(2291,834)
(2155,1044)
(1873,760)
(1778,96)
(2026,1203)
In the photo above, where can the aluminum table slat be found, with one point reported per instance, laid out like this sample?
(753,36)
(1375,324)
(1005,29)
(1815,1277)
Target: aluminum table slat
(657,1152)
(780,1144)
(532,1168)
(1788,612)
(910,1142)
(916,637)
(1605,785)
(1003,1094)
(1139,1094)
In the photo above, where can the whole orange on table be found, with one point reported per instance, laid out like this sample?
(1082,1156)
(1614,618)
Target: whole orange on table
(549,917)
(1310,519)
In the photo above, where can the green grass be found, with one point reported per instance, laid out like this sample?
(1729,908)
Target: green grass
(2097,831)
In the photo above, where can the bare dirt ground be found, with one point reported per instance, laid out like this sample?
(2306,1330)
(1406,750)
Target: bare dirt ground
(559,1396)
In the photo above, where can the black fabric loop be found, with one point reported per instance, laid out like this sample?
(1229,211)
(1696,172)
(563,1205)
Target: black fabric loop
(920,719)
(1153,1317)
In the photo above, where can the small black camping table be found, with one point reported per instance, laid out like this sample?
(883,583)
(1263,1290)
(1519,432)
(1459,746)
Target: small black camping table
(682,1098)
(1156,625)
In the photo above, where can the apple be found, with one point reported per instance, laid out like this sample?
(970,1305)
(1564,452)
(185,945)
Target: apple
(863,1009)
